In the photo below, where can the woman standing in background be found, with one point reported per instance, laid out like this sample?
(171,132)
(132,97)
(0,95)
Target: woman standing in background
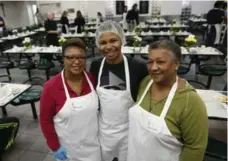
(79,21)
(99,18)
(65,22)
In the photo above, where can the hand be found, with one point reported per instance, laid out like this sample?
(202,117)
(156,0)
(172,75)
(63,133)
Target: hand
(60,154)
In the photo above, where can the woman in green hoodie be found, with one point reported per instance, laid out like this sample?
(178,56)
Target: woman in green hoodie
(169,121)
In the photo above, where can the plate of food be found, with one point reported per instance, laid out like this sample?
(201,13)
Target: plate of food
(223,99)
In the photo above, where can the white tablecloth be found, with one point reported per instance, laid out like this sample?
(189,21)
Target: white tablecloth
(168,26)
(161,20)
(199,51)
(42,29)
(19,35)
(78,35)
(9,91)
(126,50)
(198,20)
(215,108)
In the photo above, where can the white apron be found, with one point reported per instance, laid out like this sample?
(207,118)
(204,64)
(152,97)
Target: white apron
(125,25)
(76,125)
(149,136)
(113,120)
(218,32)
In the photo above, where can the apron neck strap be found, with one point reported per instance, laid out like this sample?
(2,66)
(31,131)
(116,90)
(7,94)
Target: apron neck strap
(89,81)
(100,72)
(126,68)
(64,83)
(168,101)
(145,92)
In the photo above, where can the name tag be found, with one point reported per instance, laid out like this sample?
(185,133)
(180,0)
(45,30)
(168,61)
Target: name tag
(76,106)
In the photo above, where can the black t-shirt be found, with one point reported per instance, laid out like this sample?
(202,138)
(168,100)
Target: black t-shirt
(64,21)
(133,15)
(113,75)
(52,38)
(80,22)
(215,16)
(50,25)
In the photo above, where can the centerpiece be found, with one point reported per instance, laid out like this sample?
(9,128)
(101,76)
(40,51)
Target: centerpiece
(61,41)
(86,30)
(137,43)
(27,43)
(190,41)
(175,28)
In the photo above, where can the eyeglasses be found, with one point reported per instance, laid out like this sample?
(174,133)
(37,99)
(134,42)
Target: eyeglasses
(73,58)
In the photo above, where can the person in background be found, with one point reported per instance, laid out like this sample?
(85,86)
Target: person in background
(125,26)
(169,121)
(2,26)
(79,21)
(69,108)
(39,16)
(100,18)
(8,131)
(225,22)
(51,30)
(65,22)
(118,79)
(215,17)
(133,17)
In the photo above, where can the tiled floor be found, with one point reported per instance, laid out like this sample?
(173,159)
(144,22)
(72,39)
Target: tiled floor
(30,144)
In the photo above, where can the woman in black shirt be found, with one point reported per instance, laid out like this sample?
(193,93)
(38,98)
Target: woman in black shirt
(79,21)
(65,22)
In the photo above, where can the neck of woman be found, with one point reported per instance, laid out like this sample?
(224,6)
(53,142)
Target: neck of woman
(116,61)
(73,77)
(166,84)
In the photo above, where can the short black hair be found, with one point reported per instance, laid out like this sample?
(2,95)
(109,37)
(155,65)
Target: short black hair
(168,45)
(218,4)
(73,42)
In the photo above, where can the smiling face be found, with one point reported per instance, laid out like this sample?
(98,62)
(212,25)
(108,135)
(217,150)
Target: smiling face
(161,65)
(74,60)
(110,46)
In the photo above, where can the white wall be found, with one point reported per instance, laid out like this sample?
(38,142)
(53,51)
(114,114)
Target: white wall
(11,17)
(171,7)
(22,13)
(96,6)
(201,7)
(168,7)
(92,7)
(18,14)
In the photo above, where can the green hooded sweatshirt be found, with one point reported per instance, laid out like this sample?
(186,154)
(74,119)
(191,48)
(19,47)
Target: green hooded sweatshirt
(186,119)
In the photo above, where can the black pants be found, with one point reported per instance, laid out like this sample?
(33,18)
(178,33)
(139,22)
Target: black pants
(8,131)
(52,39)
